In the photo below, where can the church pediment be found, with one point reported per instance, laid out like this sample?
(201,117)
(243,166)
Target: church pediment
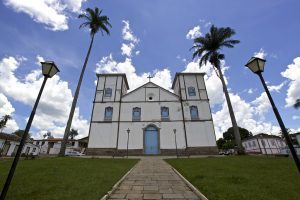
(150,92)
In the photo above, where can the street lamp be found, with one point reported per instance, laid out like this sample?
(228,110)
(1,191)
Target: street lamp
(174,130)
(49,69)
(128,131)
(256,65)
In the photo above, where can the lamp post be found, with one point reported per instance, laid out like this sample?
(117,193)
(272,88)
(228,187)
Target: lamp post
(174,130)
(256,65)
(49,69)
(128,131)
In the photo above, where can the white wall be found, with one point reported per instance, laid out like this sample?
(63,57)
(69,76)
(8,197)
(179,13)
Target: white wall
(269,146)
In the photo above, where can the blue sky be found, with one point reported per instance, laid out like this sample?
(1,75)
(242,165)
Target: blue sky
(157,40)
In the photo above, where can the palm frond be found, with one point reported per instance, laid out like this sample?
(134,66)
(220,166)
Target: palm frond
(95,21)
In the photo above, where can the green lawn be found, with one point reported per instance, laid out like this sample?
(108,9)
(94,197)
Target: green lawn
(242,177)
(63,178)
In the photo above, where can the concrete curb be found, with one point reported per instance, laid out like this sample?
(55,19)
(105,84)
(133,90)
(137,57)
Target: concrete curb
(106,196)
(193,188)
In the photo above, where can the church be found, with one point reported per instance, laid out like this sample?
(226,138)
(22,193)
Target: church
(151,120)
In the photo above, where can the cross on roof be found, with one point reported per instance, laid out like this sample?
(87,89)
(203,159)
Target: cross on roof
(150,78)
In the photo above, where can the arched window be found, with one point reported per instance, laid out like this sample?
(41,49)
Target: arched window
(107,92)
(192,91)
(194,112)
(164,113)
(108,113)
(136,114)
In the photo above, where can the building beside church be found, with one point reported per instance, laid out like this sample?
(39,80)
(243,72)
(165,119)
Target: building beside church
(156,120)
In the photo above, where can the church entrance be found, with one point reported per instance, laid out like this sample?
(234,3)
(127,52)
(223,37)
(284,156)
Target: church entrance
(151,144)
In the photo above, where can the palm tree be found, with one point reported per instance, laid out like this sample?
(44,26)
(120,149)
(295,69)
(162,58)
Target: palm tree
(297,104)
(95,22)
(208,49)
(73,133)
(3,121)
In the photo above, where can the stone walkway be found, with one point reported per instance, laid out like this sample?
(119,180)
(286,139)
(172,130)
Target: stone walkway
(153,178)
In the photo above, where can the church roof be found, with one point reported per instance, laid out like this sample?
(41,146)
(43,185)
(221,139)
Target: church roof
(185,73)
(116,74)
(152,84)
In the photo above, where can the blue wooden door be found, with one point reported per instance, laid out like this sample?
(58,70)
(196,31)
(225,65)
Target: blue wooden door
(151,140)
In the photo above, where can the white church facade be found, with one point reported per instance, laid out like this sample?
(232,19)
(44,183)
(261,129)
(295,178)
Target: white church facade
(151,120)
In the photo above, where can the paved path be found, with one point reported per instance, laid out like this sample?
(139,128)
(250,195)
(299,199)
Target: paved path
(153,178)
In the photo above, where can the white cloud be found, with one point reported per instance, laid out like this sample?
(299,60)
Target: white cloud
(245,116)
(130,38)
(52,13)
(194,33)
(127,49)
(295,117)
(260,54)
(276,88)
(6,108)
(55,103)
(261,105)
(250,91)
(293,74)
(127,33)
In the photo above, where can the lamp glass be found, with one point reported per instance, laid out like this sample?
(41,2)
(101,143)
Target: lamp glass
(261,64)
(128,130)
(49,68)
(256,64)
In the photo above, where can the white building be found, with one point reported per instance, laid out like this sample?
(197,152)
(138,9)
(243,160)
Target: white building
(151,113)
(52,146)
(9,145)
(264,144)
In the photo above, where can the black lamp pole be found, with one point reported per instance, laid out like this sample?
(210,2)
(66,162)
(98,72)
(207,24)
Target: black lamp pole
(281,124)
(128,131)
(23,140)
(174,130)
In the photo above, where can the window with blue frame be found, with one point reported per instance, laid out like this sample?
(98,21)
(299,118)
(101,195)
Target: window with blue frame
(136,114)
(194,112)
(108,113)
(192,91)
(107,92)
(164,112)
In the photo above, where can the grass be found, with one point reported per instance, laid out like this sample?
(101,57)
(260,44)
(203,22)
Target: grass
(242,177)
(63,178)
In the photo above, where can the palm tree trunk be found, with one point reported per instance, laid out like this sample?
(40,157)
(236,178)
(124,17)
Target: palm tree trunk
(69,123)
(236,131)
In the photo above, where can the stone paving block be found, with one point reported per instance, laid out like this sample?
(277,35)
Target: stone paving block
(151,187)
(137,187)
(190,195)
(134,196)
(173,196)
(117,196)
(152,196)
(125,187)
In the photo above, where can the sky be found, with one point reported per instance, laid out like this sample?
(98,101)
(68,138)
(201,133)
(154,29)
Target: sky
(147,38)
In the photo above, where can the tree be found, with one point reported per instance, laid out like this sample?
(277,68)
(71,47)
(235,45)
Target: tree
(3,121)
(95,22)
(49,135)
(297,104)
(220,143)
(73,133)
(20,133)
(229,134)
(208,49)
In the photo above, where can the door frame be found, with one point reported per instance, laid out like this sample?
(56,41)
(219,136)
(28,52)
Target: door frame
(158,138)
